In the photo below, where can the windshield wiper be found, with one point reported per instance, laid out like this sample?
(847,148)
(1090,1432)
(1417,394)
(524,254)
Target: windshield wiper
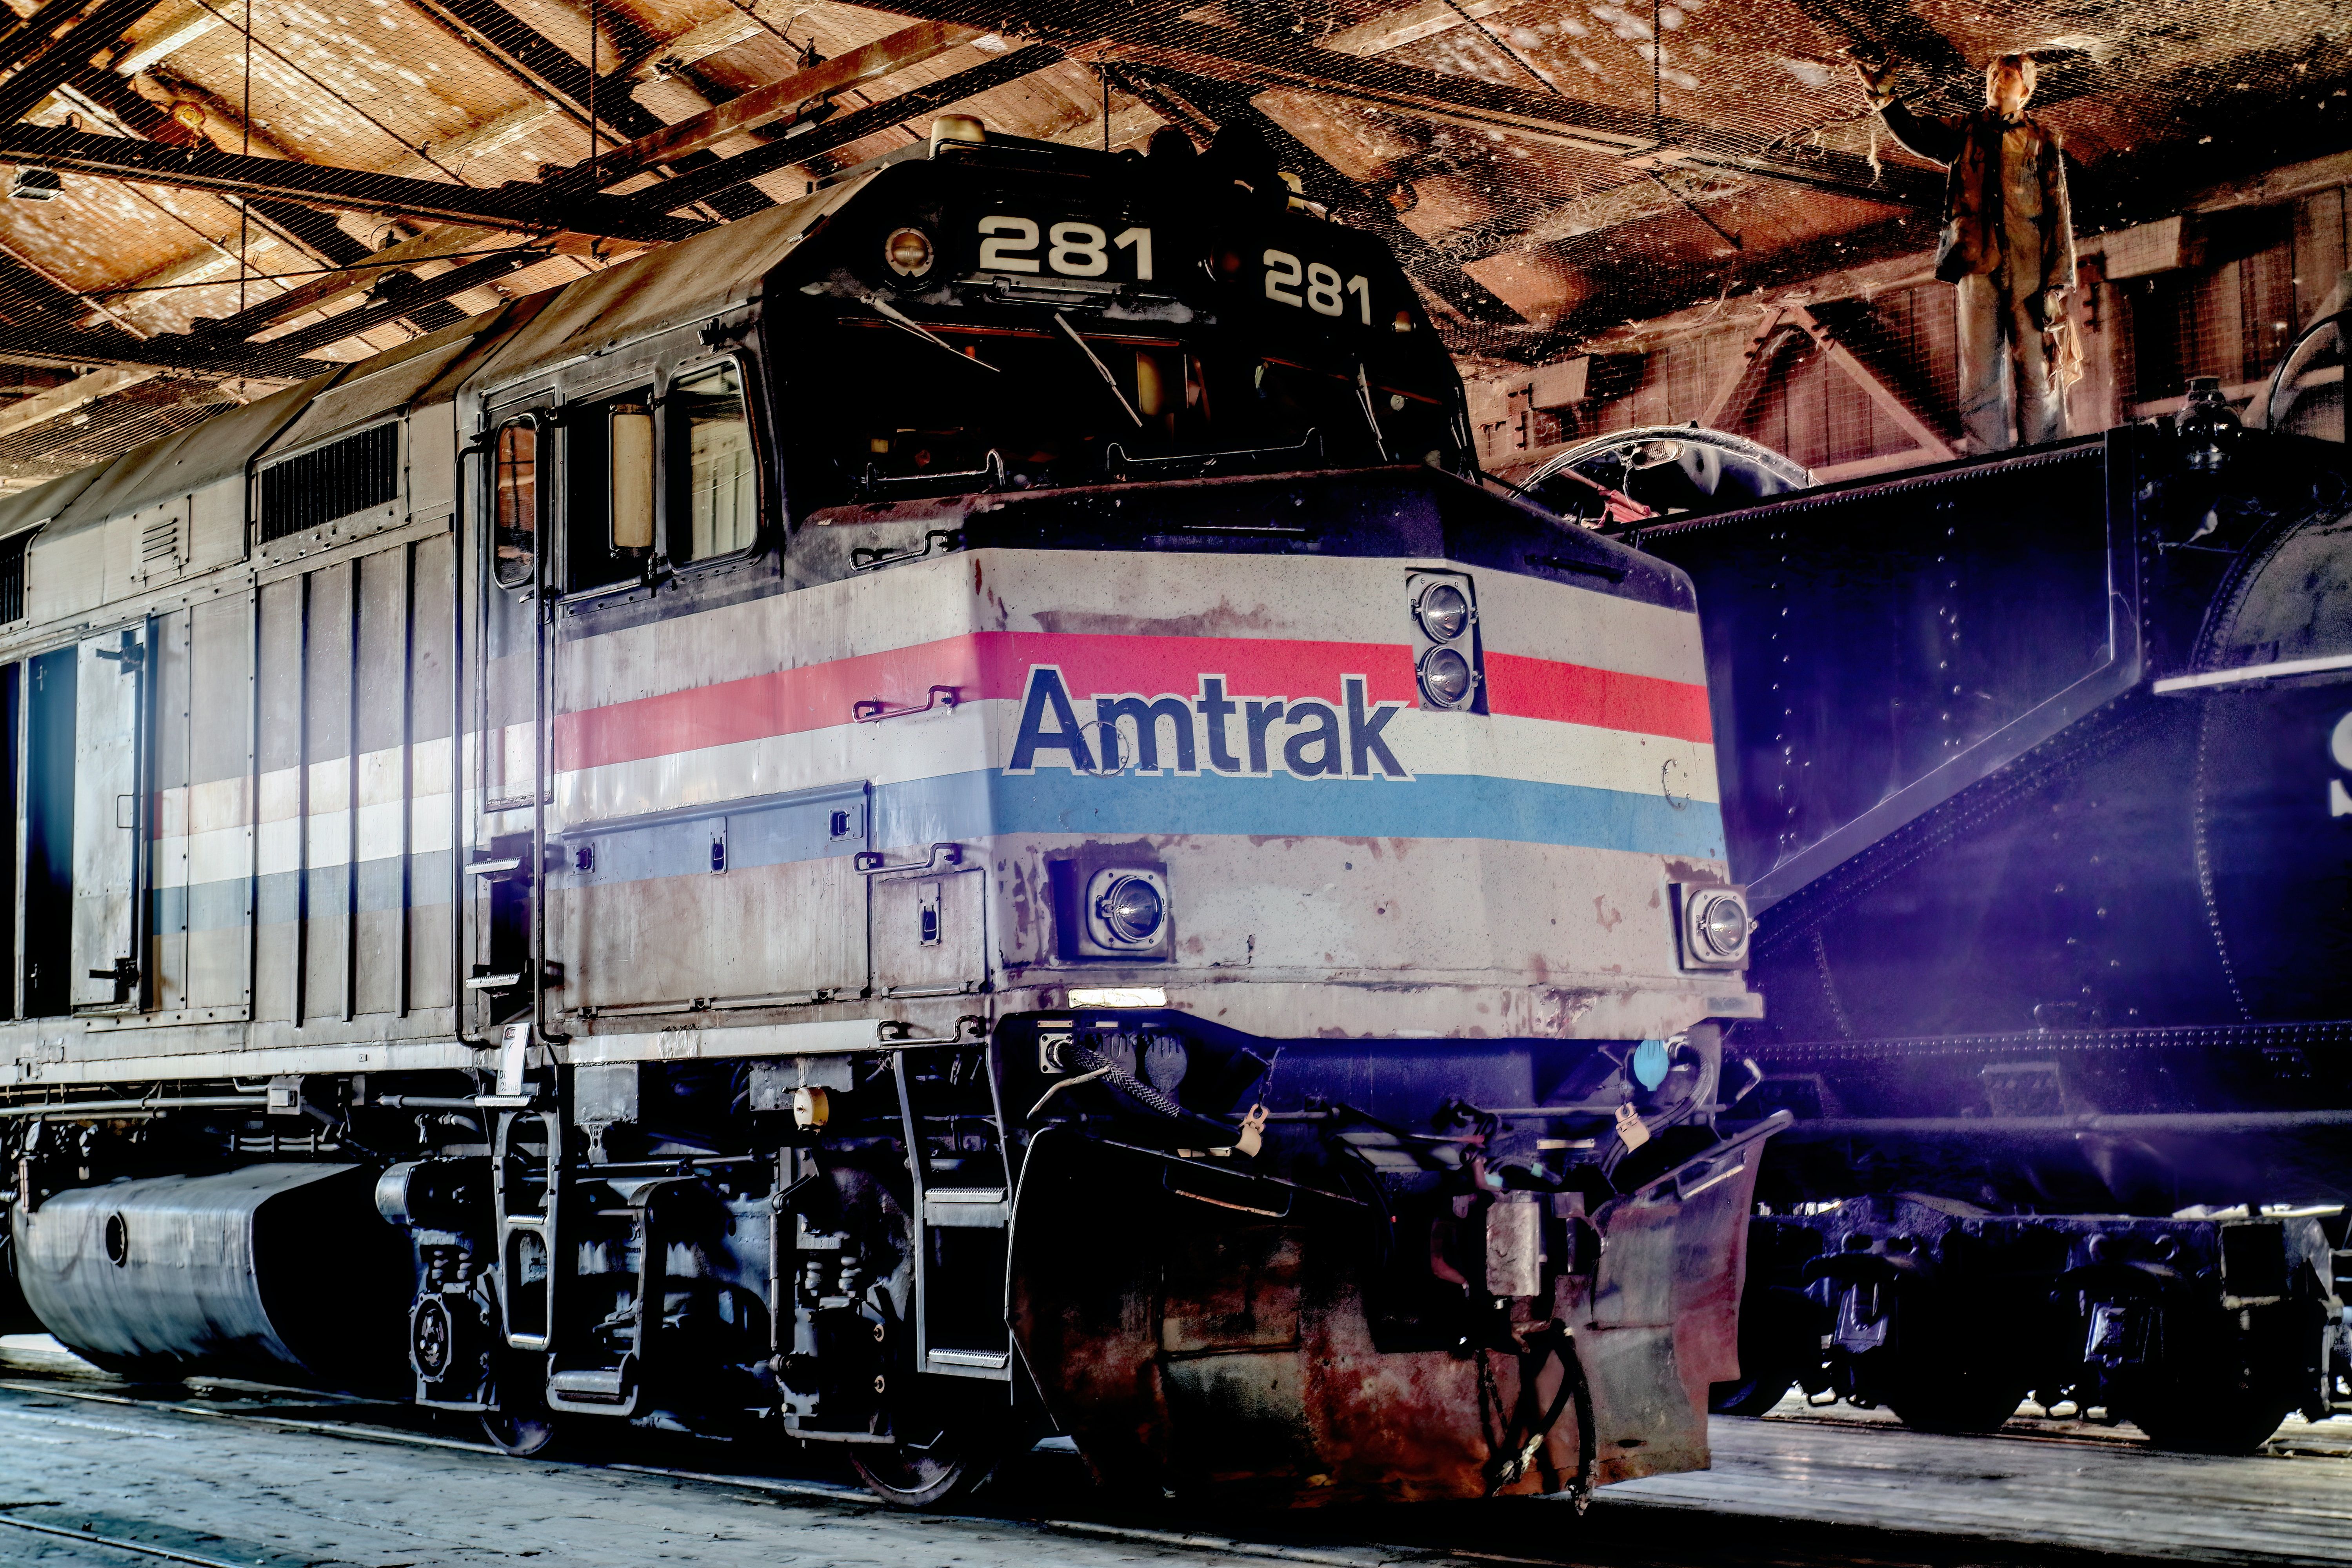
(898,318)
(1364,399)
(1118,460)
(1101,369)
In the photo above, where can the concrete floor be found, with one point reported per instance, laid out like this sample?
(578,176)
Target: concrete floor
(240,1475)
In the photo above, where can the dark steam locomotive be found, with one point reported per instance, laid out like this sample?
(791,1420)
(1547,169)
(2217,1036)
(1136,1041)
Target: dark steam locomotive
(2039,769)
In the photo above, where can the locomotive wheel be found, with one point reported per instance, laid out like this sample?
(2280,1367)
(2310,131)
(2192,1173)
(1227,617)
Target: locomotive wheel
(519,1424)
(1777,1341)
(1958,1399)
(2217,1423)
(520,1434)
(1749,1396)
(954,1456)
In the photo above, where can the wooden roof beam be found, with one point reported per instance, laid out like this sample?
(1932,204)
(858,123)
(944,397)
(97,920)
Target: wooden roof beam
(777,100)
(1241,55)
(109,97)
(528,209)
(376,313)
(497,33)
(852,125)
(1411,24)
(49,60)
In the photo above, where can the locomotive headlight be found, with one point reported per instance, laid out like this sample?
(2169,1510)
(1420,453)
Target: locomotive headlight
(1716,928)
(1446,677)
(1443,612)
(1126,910)
(908,251)
(1724,926)
(1133,910)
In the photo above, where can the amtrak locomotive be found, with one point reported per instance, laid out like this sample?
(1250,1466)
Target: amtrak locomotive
(941,809)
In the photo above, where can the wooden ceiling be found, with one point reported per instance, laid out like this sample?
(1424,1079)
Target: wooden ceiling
(250,189)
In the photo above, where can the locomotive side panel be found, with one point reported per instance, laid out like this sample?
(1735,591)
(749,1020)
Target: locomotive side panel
(263,792)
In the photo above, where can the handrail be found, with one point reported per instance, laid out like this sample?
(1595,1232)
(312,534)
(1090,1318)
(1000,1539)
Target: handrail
(874,709)
(871,863)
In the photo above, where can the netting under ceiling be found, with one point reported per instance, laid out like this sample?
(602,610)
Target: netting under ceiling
(1547,170)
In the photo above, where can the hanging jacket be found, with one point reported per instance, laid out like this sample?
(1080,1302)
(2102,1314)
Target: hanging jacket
(1975,210)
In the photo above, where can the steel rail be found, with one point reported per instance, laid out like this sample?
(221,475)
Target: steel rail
(116,1543)
(2067,1126)
(815,1491)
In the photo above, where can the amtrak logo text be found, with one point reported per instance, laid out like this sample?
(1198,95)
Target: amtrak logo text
(1206,733)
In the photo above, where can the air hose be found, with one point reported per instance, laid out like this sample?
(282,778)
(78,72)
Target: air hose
(1093,1064)
(1523,1441)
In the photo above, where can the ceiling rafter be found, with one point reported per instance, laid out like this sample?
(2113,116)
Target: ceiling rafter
(854,125)
(547,68)
(314,233)
(492,30)
(398,303)
(1636,140)
(1162,34)
(48,59)
(764,106)
(528,209)
(330,290)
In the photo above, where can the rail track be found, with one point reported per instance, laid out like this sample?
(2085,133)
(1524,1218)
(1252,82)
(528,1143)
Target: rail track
(1807,1488)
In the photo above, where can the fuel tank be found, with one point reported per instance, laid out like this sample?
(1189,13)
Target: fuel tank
(281,1272)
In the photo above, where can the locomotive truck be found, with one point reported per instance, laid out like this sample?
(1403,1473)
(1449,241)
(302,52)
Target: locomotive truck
(943,808)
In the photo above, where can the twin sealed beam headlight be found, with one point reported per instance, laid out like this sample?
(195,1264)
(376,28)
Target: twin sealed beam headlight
(1715,926)
(1447,677)
(1443,612)
(1448,666)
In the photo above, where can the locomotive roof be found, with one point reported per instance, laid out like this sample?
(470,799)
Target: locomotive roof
(696,277)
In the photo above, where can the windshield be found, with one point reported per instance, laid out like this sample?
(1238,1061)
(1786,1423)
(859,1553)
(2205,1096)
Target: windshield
(909,407)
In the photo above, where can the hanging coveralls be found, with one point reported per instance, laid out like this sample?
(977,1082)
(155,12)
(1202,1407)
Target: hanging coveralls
(2009,244)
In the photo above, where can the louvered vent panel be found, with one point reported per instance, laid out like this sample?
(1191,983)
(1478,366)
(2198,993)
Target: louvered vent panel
(336,480)
(159,544)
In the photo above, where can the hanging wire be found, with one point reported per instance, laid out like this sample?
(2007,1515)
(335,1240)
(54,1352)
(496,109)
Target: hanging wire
(1657,71)
(245,147)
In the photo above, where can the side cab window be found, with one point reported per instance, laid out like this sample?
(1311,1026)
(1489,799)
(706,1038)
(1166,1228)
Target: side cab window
(515,502)
(609,488)
(713,465)
(647,481)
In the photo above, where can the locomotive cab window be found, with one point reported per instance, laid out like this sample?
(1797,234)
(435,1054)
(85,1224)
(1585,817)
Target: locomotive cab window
(958,409)
(608,491)
(714,477)
(514,486)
